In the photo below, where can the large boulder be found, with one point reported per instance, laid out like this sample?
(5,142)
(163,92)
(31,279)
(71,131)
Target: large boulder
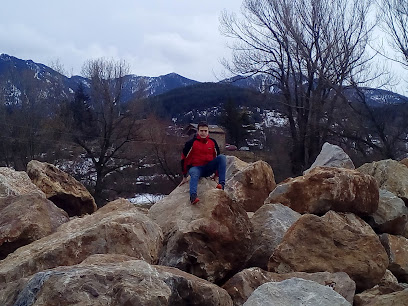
(391,216)
(234,165)
(126,282)
(16,183)
(332,156)
(26,218)
(61,188)
(335,242)
(210,239)
(295,291)
(390,175)
(325,188)
(397,250)
(243,284)
(270,223)
(251,185)
(122,230)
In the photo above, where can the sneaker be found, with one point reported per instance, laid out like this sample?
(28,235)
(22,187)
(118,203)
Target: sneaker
(194,199)
(220,186)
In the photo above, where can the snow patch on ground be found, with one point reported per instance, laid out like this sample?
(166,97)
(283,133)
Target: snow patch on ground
(146,198)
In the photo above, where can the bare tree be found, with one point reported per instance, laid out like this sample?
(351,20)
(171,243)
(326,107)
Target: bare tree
(372,132)
(394,14)
(111,126)
(26,106)
(312,50)
(165,147)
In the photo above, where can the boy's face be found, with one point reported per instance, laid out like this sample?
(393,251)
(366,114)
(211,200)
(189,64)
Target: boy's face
(203,131)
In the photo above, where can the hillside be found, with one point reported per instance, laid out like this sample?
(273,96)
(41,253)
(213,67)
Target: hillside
(189,101)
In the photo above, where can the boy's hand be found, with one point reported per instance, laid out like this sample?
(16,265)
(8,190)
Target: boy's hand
(185,180)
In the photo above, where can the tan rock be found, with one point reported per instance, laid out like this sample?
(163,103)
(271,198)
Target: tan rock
(131,282)
(26,218)
(390,175)
(122,231)
(325,188)
(382,296)
(388,278)
(270,223)
(381,293)
(210,239)
(61,188)
(332,156)
(243,284)
(404,161)
(333,243)
(250,186)
(397,250)
(16,183)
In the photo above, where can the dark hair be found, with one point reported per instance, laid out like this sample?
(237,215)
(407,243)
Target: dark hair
(201,124)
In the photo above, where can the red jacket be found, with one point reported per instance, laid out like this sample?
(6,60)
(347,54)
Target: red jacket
(198,152)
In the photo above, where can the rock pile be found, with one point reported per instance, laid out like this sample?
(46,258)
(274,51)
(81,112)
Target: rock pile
(336,235)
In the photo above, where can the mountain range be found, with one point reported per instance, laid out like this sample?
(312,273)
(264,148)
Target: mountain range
(15,72)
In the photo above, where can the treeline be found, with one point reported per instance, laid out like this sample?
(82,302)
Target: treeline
(203,96)
(314,51)
(102,142)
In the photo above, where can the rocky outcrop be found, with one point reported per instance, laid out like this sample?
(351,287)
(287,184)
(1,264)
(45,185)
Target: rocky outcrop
(332,156)
(270,223)
(333,243)
(397,250)
(324,188)
(250,186)
(26,218)
(295,291)
(197,236)
(124,282)
(243,284)
(390,175)
(107,256)
(122,230)
(61,188)
(391,216)
(16,183)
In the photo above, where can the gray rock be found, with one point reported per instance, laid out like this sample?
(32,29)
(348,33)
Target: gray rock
(270,223)
(294,292)
(332,156)
(243,284)
(391,216)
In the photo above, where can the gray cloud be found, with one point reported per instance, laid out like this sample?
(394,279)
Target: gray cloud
(155,37)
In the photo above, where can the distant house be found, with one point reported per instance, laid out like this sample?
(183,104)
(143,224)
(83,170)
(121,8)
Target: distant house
(216,132)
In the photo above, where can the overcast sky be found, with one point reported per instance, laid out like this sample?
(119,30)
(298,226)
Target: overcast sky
(155,37)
